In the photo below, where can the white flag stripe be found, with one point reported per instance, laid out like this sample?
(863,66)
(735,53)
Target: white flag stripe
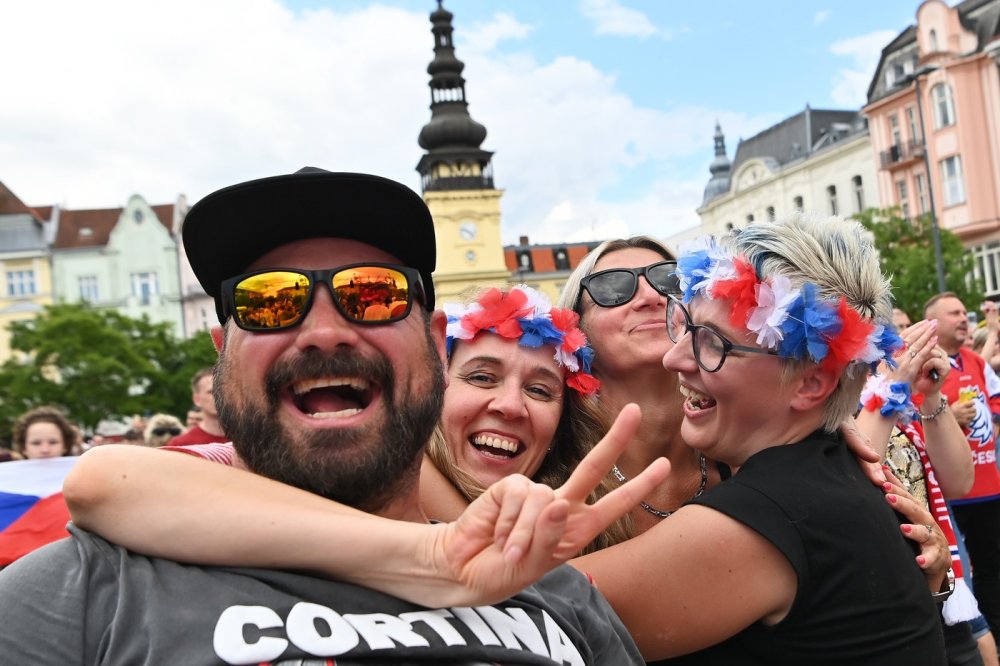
(40,478)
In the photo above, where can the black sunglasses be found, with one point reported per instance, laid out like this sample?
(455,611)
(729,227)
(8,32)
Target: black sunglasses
(617,286)
(159,432)
(710,347)
(278,298)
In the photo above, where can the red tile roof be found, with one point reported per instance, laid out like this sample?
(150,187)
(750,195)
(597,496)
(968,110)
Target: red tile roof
(100,222)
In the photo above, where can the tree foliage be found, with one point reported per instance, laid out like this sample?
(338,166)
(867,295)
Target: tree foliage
(907,256)
(98,364)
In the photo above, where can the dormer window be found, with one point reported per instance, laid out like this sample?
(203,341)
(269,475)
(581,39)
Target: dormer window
(86,232)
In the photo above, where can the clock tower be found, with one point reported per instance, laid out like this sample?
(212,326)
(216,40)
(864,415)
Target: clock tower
(457,178)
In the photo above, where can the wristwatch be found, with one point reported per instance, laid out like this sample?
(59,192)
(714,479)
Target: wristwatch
(947,587)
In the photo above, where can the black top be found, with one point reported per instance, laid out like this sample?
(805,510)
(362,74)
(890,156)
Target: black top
(861,598)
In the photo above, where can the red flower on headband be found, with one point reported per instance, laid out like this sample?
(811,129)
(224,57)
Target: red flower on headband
(741,291)
(500,312)
(852,339)
(874,403)
(585,383)
(566,321)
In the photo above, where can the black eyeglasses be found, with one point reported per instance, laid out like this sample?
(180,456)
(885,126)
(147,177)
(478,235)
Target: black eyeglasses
(710,346)
(279,298)
(160,432)
(617,286)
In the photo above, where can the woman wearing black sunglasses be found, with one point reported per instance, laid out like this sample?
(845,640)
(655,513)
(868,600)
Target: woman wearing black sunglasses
(620,291)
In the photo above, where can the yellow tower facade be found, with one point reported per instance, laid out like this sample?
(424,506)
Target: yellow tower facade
(457,179)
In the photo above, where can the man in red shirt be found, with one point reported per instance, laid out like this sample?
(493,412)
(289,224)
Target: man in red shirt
(973,398)
(209,430)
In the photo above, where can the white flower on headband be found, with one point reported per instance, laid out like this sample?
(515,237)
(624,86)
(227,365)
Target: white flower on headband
(455,312)
(567,359)
(711,264)
(537,301)
(773,301)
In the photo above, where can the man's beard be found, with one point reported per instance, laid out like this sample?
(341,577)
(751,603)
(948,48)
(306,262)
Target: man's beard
(364,467)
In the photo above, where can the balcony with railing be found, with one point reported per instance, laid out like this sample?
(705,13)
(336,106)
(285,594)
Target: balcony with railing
(902,154)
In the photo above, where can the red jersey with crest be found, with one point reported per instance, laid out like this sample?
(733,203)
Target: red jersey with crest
(967,381)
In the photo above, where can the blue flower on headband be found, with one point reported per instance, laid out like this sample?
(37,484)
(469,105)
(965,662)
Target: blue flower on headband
(888,342)
(449,342)
(586,356)
(809,325)
(539,331)
(694,269)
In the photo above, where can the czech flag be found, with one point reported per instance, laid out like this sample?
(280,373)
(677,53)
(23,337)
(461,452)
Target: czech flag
(32,510)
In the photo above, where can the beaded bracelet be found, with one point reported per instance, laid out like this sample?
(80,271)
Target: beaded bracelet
(937,412)
(889,399)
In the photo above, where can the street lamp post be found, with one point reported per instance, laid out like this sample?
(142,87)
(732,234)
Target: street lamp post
(935,231)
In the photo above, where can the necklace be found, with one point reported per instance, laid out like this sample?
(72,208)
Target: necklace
(659,513)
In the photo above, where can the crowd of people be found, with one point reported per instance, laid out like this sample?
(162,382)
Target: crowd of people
(48,432)
(401,483)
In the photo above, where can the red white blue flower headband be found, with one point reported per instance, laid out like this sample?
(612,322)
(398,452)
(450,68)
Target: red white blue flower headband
(794,321)
(526,315)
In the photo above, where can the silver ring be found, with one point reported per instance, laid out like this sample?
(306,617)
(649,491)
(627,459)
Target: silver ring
(912,354)
(930,531)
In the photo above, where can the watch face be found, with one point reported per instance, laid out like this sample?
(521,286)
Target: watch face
(468,231)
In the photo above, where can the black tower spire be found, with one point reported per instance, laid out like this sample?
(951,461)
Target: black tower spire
(719,168)
(454,160)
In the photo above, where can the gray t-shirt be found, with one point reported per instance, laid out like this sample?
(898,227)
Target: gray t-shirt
(84,600)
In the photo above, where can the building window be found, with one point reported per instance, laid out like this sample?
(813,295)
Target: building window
(894,129)
(561,258)
(911,120)
(918,180)
(932,39)
(954,185)
(524,263)
(21,283)
(859,193)
(750,218)
(986,266)
(944,106)
(729,226)
(798,204)
(770,213)
(88,288)
(904,199)
(831,197)
(144,287)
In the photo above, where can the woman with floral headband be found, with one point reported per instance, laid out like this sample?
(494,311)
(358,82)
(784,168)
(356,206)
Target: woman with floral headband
(796,559)
(517,367)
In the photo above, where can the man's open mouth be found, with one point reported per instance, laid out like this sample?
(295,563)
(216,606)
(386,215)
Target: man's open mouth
(332,397)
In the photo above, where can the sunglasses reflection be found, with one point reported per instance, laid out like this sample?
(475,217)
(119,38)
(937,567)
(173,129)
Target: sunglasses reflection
(278,299)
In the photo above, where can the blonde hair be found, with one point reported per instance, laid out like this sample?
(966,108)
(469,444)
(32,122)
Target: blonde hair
(570,296)
(839,257)
(589,421)
(161,421)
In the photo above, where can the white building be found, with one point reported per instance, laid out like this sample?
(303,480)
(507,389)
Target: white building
(816,161)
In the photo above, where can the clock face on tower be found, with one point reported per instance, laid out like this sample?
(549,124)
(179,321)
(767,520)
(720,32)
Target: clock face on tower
(468,230)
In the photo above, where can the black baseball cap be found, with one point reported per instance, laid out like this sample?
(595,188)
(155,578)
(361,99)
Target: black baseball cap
(231,228)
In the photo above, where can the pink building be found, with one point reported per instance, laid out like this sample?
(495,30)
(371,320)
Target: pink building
(934,117)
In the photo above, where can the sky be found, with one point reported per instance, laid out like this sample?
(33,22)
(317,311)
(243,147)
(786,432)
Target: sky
(600,113)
